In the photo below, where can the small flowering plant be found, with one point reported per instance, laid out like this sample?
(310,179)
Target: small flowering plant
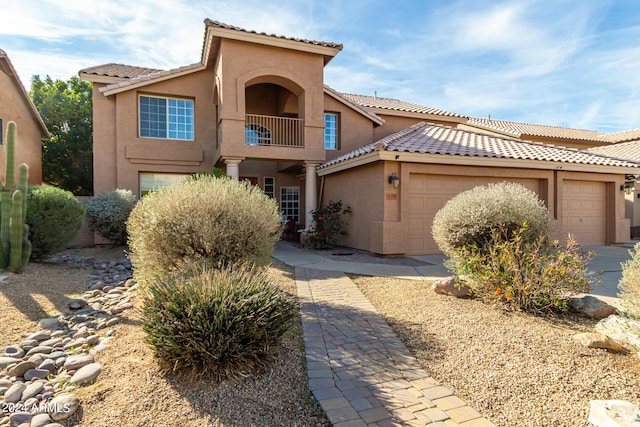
(327,225)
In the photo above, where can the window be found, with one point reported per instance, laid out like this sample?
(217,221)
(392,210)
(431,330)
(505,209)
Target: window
(330,131)
(270,186)
(166,118)
(255,134)
(290,203)
(153,181)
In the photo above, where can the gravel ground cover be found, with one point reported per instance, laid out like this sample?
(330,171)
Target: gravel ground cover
(132,390)
(515,369)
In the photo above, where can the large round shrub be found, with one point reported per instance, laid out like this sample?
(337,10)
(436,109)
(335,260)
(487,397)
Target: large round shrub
(107,214)
(219,322)
(216,219)
(54,217)
(470,217)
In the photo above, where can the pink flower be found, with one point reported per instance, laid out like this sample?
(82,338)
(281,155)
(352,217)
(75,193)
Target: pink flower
(319,218)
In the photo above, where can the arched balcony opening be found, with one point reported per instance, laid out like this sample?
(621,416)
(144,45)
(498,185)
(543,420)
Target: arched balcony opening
(272,116)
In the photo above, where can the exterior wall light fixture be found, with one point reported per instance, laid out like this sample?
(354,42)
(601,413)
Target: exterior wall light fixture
(394,180)
(627,187)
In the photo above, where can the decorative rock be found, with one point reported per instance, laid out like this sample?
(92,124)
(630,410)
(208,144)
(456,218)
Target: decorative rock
(447,286)
(44,349)
(77,361)
(38,358)
(56,354)
(6,361)
(621,329)
(18,418)
(31,390)
(93,339)
(113,321)
(48,323)
(52,342)
(129,283)
(39,336)
(28,344)
(592,307)
(76,303)
(86,374)
(98,286)
(48,365)
(14,393)
(3,390)
(14,351)
(22,367)
(610,413)
(5,382)
(30,403)
(63,407)
(598,340)
(40,420)
(36,373)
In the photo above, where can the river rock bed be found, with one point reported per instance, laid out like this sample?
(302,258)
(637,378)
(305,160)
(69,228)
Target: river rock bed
(39,374)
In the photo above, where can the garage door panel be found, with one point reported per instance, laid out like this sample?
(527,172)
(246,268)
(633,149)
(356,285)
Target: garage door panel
(435,191)
(584,211)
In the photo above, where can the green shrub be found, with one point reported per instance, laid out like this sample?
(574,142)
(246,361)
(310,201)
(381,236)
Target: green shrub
(630,284)
(107,214)
(327,225)
(217,219)
(469,217)
(54,218)
(205,321)
(536,276)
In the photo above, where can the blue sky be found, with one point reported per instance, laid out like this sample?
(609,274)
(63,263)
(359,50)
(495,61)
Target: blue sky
(564,63)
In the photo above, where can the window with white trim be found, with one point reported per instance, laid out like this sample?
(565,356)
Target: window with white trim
(166,118)
(290,203)
(270,186)
(330,131)
(153,181)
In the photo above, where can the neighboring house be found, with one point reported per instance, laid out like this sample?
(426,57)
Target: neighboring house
(16,106)
(257,106)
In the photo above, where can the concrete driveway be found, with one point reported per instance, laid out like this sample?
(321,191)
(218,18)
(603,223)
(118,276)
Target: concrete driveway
(608,260)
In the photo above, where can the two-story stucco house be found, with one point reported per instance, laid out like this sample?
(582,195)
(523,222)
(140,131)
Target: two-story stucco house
(16,106)
(256,105)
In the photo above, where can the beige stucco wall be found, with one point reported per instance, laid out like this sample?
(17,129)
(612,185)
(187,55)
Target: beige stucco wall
(13,107)
(394,124)
(241,65)
(355,130)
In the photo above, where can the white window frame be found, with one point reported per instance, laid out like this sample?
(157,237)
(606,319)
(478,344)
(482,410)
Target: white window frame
(290,202)
(179,125)
(331,131)
(269,188)
(152,181)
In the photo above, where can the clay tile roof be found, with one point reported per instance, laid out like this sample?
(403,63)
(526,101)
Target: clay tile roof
(516,129)
(211,23)
(396,105)
(119,71)
(157,74)
(430,138)
(626,150)
(624,136)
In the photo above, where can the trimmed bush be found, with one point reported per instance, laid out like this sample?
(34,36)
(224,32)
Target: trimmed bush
(630,284)
(54,218)
(216,219)
(520,274)
(203,321)
(107,214)
(469,217)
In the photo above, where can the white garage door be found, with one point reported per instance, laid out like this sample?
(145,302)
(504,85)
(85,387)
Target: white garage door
(584,211)
(427,194)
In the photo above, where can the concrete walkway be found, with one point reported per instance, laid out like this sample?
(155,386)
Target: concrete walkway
(358,369)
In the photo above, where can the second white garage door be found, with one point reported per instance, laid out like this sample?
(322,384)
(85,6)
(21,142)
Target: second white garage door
(428,194)
(584,211)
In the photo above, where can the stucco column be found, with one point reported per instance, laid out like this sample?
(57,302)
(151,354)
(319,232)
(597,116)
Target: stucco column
(233,168)
(311,193)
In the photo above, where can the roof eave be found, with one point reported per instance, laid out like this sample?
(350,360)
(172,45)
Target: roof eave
(327,52)
(417,115)
(95,78)
(371,116)
(403,156)
(144,81)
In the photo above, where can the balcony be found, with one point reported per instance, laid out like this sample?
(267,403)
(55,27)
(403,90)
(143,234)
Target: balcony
(273,131)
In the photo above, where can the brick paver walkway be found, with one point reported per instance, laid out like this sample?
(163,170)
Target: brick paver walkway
(359,371)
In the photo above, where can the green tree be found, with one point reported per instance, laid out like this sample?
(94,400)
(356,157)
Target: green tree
(67,157)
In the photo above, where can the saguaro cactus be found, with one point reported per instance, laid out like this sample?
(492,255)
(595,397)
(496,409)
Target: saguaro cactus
(15,246)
